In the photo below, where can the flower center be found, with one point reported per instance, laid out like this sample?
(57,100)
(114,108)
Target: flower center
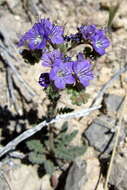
(99,44)
(38,39)
(60,73)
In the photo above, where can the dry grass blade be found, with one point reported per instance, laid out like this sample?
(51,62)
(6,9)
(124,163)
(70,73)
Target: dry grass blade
(108,84)
(112,12)
(119,124)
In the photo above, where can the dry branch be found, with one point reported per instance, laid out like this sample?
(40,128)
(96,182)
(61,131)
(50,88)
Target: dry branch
(9,59)
(99,97)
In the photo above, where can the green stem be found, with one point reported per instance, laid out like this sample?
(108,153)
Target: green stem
(73,46)
(51,138)
(52,113)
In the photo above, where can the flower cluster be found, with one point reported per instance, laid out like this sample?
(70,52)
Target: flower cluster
(92,36)
(64,71)
(96,38)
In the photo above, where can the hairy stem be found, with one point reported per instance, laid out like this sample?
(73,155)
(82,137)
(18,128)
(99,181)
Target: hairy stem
(52,113)
(51,138)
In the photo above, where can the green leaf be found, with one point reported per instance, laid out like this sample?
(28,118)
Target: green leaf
(35,145)
(62,132)
(36,158)
(49,167)
(81,98)
(64,127)
(69,90)
(63,154)
(52,93)
(69,153)
(63,47)
(69,137)
(65,139)
(77,150)
(78,96)
(47,143)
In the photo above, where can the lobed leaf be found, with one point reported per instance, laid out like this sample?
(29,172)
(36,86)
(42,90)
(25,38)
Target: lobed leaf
(35,145)
(49,167)
(36,158)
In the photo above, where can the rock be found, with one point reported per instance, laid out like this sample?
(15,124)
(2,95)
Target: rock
(76,175)
(45,184)
(19,176)
(117,24)
(118,177)
(32,6)
(100,134)
(13,3)
(3,183)
(112,103)
(15,6)
(93,170)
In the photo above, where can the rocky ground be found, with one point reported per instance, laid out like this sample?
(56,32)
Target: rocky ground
(29,101)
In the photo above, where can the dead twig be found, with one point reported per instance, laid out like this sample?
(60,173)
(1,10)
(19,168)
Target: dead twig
(11,89)
(16,154)
(28,133)
(8,60)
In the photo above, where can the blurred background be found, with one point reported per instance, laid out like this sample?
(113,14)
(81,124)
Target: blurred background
(23,103)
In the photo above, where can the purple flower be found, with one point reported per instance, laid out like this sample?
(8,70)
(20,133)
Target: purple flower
(61,74)
(95,37)
(100,42)
(41,33)
(83,72)
(44,80)
(67,59)
(53,32)
(87,31)
(80,56)
(73,37)
(35,38)
(48,59)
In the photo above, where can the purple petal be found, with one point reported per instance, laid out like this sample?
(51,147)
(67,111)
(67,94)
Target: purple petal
(47,25)
(83,72)
(69,79)
(87,31)
(84,82)
(80,57)
(53,73)
(56,35)
(48,59)
(60,83)
(100,42)
(100,51)
(79,66)
(44,79)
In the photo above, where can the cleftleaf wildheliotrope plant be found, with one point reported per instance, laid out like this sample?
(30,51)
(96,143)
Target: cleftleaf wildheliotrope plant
(65,73)
(63,150)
